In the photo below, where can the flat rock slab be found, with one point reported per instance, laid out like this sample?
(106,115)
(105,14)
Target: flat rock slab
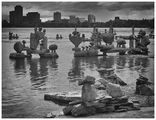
(64,98)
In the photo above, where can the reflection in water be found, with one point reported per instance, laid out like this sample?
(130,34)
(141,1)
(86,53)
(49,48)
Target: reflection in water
(38,72)
(106,62)
(76,70)
(121,61)
(53,63)
(80,65)
(19,65)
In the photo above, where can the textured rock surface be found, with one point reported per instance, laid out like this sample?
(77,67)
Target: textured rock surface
(18,47)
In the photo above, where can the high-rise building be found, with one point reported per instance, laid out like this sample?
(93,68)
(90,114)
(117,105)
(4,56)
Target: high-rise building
(91,18)
(16,16)
(57,16)
(33,18)
(12,17)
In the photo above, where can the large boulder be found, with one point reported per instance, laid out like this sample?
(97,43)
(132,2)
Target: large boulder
(108,37)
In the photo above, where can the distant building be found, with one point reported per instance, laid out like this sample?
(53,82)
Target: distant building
(117,18)
(33,18)
(57,16)
(91,18)
(65,20)
(73,19)
(16,16)
(81,20)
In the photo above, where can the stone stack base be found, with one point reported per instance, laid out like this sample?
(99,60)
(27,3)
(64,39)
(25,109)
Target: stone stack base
(17,55)
(49,55)
(88,53)
(103,105)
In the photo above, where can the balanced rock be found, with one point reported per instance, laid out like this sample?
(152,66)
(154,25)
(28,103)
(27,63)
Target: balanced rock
(88,80)
(88,91)
(53,47)
(18,47)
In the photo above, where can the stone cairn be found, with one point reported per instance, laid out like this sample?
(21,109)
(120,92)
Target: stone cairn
(90,104)
(143,86)
(52,53)
(18,47)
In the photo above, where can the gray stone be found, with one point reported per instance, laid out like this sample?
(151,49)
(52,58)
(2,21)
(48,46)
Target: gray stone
(17,55)
(18,47)
(88,93)
(50,115)
(88,80)
(81,110)
(67,110)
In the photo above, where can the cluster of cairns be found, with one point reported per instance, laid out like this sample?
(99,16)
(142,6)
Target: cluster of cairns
(121,43)
(19,47)
(90,104)
(13,36)
(86,51)
(37,38)
(58,36)
(141,43)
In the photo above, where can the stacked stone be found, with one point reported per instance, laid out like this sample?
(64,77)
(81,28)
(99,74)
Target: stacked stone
(105,49)
(18,47)
(90,104)
(143,86)
(52,53)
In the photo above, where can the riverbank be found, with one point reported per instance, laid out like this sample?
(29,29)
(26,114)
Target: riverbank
(144,112)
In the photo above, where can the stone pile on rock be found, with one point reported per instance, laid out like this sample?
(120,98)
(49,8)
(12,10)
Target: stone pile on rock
(52,53)
(18,47)
(90,104)
(143,86)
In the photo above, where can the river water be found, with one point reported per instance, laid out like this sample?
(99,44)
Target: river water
(24,82)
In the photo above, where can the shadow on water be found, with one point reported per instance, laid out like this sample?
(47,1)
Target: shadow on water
(39,71)
(19,66)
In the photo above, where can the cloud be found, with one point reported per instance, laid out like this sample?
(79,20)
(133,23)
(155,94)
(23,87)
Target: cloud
(102,10)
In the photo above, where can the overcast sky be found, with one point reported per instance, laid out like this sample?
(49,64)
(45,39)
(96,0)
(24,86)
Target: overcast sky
(103,11)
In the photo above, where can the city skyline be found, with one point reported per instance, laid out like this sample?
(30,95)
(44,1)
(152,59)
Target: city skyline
(103,11)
